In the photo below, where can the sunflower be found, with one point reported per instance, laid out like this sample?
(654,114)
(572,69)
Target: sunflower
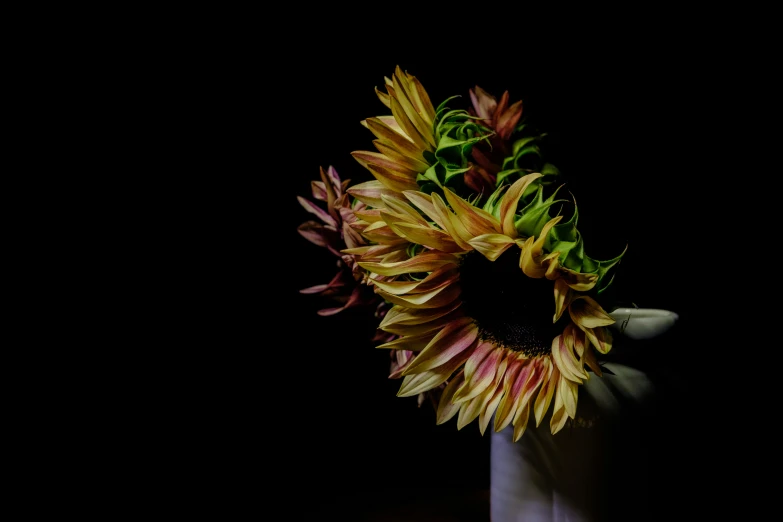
(490,303)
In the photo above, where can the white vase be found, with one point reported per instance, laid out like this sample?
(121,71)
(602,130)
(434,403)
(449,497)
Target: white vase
(558,478)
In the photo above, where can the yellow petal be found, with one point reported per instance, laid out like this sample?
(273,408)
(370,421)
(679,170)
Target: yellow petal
(424,202)
(587,313)
(426,262)
(561,298)
(520,422)
(601,338)
(443,276)
(428,325)
(401,207)
(475,220)
(446,409)
(482,377)
(451,222)
(491,245)
(455,339)
(483,349)
(564,358)
(492,405)
(388,130)
(509,201)
(427,236)
(391,151)
(530,261)
(545,394)
(434,299)
(568,390)
(421,382)
(413,343)
(402,316)
(403,96)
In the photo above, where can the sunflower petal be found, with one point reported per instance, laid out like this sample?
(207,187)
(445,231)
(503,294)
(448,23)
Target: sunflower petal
(452,224)
(479,354)
(481,378)
(545,394)
(491,245)
(520,421)
(421,382)
(402,316)
(370,193)
(515,378)
(413,343)
(426,262)
(433,299)
(601,338)
(427,236)
(587,313)
(564,358)
(508,204)
(456,338)
(424,202)
(492,405)
(447,409)
(561,298)
(475,220)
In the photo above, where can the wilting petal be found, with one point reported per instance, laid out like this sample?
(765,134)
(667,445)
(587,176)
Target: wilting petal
(392,135)
(568,390)
(517,374)
(388,149)
(479,404)
(426,262)
(446,409)
(370,193)
(433,299)
(508,204)
(475,220)
(412,343)
(491,245)
(559,416)
(318,234)
(564,358)
(520,421)
(544,398)
(577,280)
(394,179)
(370,215)
(403,94)
(318,211)
(443,276)
(402,316)
(482,350)
(425,204)
(427,236)
(530,260)
(403,210)
(430,325)
(532,383)
(587,313)
(561,298)
(591,361)
(421,382)
(452,224)
(353,300)
(482,377)
(455,338)
(492,405)
(338,281)
(601,338)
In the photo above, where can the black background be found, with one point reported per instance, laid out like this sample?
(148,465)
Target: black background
(303,401)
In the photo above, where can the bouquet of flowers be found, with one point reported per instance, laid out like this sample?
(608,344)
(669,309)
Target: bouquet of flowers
(470,256)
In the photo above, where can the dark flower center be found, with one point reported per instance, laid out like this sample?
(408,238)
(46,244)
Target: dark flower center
(510,309)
